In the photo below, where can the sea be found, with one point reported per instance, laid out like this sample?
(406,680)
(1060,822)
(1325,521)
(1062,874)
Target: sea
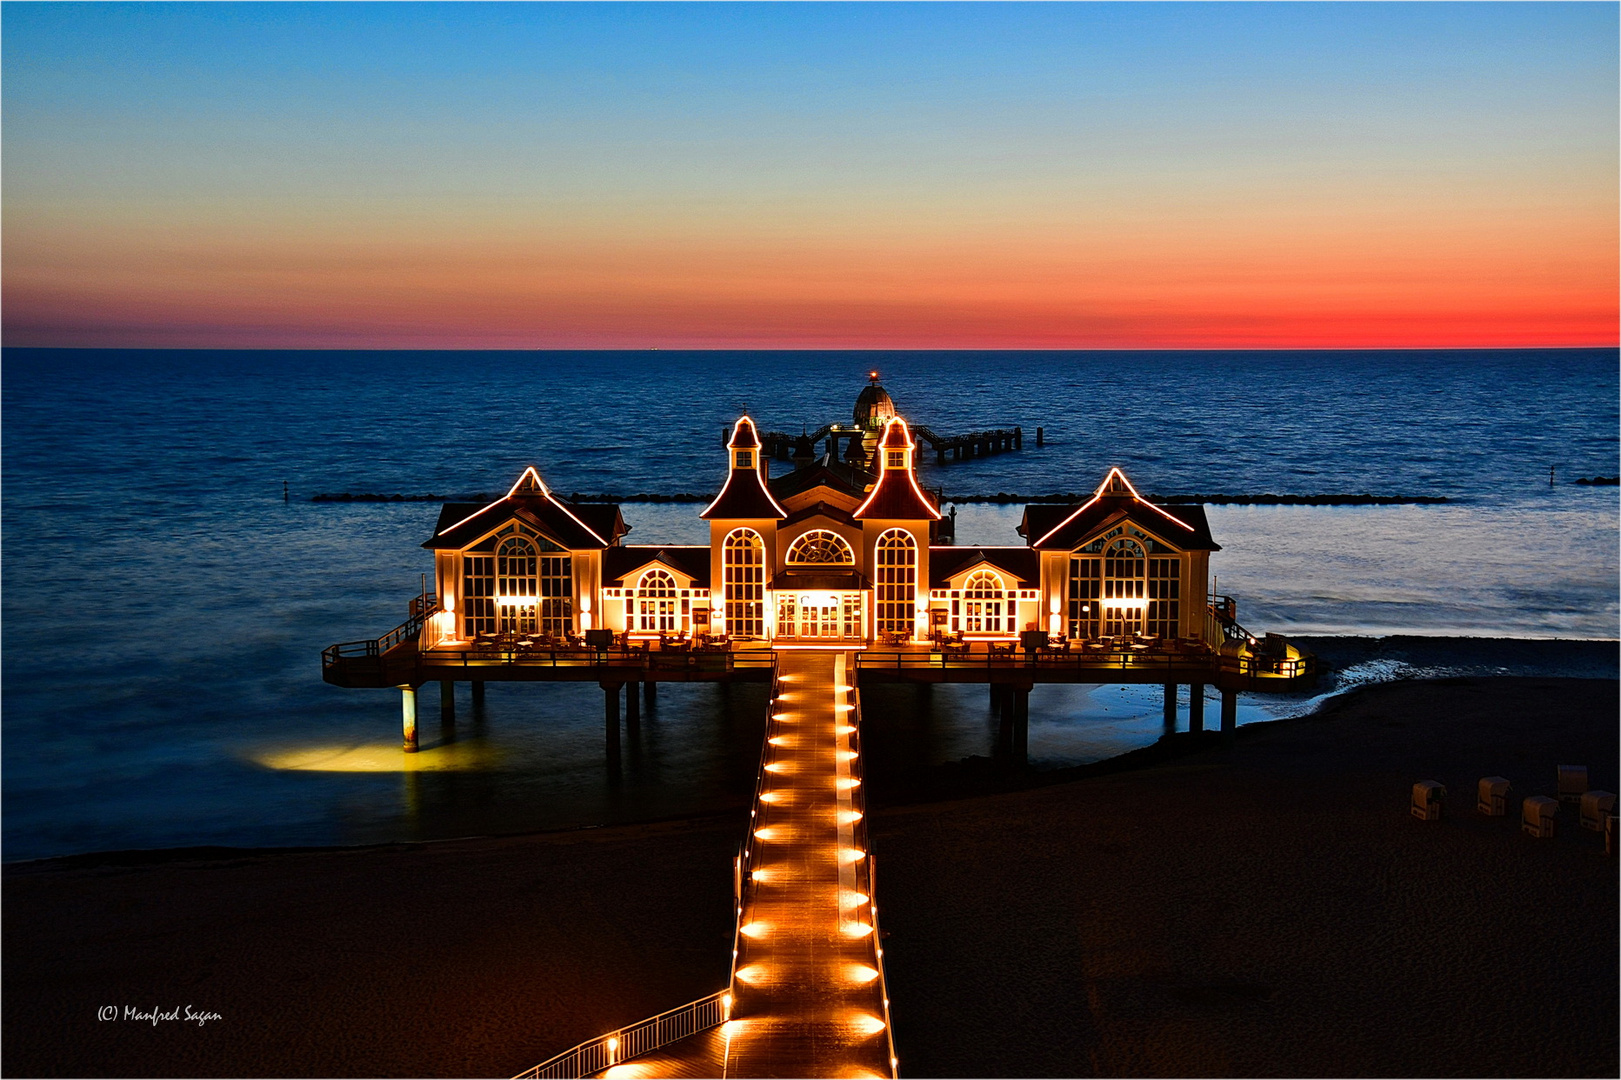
(169,580)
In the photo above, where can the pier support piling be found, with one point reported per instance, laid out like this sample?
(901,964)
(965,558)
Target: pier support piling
(478,697)
(447,702)
(610,719)
(408,714)
(633,709)
(1170,708)
(1229,711)
(1041,436)
(1196,706)
(1021,724)
(650,690)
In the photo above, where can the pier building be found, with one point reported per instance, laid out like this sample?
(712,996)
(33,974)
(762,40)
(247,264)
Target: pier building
(844,552)
(831,576)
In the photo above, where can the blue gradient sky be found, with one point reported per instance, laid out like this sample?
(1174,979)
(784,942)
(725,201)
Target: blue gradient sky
(805,174)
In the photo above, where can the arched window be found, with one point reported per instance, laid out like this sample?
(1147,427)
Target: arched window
(1123,588)
(655,602)
(895,576)
(821,547)
(516,584)
(743,570)
(982,603)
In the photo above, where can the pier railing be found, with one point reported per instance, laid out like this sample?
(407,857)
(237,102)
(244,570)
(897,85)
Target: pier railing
(866,869)
(358,653)
(605,1051)
(1143,661)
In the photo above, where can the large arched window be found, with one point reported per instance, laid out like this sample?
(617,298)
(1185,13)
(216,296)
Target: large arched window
(656,602)
(516,584)
(895,574)
(743,570)
(982,603)
(1123,588)
(820,547)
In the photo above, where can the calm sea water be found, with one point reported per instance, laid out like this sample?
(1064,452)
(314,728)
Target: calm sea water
(164,609)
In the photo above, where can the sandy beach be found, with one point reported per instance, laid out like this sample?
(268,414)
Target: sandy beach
(1262,907)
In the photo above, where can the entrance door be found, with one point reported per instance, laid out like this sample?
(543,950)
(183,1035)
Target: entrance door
(820,620)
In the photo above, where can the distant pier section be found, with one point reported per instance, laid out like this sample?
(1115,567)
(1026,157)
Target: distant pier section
(854,442)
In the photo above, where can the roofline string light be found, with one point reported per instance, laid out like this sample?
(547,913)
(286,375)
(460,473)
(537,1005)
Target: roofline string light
(885,470)
(1102,488)
(513,490)
(759,465)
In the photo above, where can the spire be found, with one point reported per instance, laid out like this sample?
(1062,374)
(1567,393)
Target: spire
(745,494)
(896,494)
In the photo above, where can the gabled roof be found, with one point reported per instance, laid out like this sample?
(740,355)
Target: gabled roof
(896,495)
(820,509)
(1064,528)
(529,501)
(745,494)
(1022,563)
(825,471)
(691,560)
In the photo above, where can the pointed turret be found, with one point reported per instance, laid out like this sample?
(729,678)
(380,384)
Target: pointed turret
(745,494)
(896,494)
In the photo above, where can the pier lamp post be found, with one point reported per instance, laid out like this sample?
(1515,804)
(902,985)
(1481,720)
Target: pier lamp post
(1055,623)
(585,613)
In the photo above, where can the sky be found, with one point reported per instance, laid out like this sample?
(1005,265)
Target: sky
(809,176)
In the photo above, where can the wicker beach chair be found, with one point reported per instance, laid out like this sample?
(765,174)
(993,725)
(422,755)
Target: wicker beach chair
(1427,796)
(1537,816)
(1572,783)
(1596,806)
(1493,796)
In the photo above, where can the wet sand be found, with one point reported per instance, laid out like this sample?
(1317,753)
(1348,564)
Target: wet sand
(1266,907)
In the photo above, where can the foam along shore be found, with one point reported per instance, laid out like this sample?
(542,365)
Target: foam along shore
(1264,907)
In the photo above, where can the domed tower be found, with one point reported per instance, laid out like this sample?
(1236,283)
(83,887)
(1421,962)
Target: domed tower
(874,407)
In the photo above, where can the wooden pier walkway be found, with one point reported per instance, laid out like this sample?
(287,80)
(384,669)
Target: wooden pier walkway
(809,997)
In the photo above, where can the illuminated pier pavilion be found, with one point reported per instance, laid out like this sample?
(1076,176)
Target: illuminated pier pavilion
(834,554)
(821,581)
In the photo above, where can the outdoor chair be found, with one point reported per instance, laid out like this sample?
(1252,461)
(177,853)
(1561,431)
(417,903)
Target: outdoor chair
(1492,798)
(1596,806)
(1427,796)
(1572,783)
(1537,816)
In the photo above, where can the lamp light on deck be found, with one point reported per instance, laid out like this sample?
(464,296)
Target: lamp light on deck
(450,601)
(849,817)
(860,974)
(845,783)
(843,729)
(866,1023)
(613,1049)
(726,1005)
(755,929)
(753,973)
(851,855)
(856,929)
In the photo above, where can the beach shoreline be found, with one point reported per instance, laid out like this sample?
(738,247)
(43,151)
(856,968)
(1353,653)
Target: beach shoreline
(1125,923)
